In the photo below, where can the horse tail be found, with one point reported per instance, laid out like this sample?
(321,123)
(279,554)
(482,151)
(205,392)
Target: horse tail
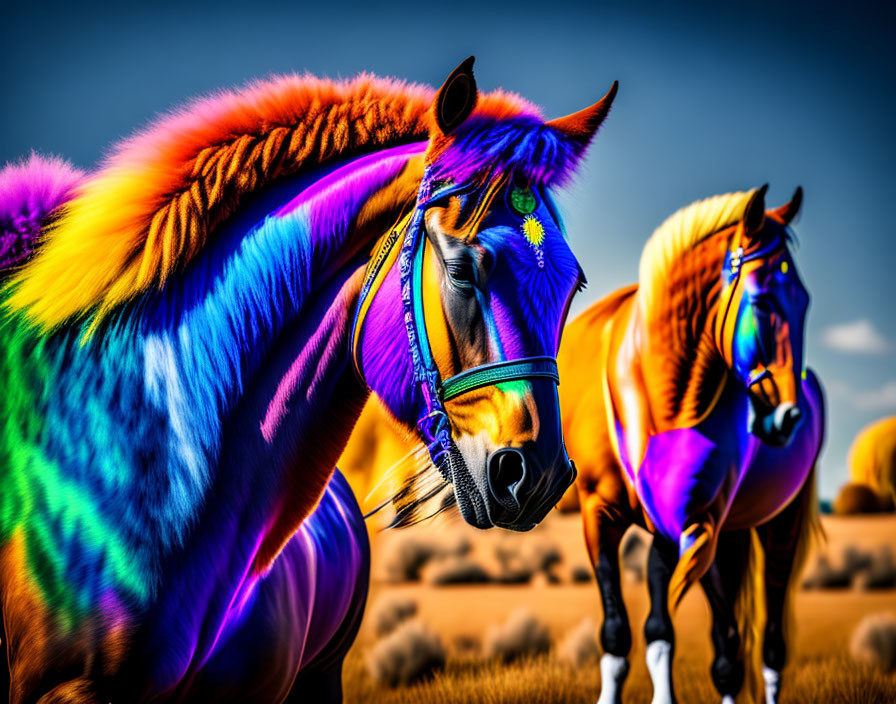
(30,191)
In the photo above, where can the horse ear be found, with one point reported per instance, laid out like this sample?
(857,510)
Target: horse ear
(582,125)
(457,97)
(754,213)
(788,211)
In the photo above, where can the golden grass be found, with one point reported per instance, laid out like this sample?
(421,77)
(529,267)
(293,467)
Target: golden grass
(820,670)
(545,680)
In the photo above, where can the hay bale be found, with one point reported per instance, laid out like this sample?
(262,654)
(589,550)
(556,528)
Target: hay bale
(873,641)
(388,612)
(458,569)
(579,645)
(410,653)
(521,635)
(856,499)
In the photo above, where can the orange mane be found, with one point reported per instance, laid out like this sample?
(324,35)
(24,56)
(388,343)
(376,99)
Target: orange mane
(160,195)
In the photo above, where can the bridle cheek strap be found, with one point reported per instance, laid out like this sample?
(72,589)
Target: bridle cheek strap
(736,260)
(433,424)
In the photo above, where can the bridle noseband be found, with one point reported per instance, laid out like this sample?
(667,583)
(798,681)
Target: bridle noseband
(433,425)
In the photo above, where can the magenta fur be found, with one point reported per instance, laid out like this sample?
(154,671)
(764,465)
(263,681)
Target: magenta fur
(30,190)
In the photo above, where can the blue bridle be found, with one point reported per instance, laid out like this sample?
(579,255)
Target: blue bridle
(433,425)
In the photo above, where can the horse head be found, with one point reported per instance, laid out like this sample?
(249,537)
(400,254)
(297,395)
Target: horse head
(480,288)
(762,325)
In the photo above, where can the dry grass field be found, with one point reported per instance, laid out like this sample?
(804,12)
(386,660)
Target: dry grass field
(821,669)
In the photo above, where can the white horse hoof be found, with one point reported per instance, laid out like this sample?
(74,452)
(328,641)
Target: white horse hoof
(659,665)
(613,671)
(772,684)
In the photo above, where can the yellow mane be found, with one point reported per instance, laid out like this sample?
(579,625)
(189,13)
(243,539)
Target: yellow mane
(679,233)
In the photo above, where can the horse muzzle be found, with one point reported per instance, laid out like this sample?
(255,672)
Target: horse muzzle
(522,488)
(777,426)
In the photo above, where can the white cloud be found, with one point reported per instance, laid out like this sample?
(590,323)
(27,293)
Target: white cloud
(878,400)
(858,337)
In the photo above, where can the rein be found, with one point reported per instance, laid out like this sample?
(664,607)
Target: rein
(433,425)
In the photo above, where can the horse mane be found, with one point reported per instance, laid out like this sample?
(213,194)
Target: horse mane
(679,281)
(161,194)
(678,234)
(30,190)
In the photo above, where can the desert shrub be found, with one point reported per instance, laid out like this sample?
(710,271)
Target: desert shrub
(633,555)
(467,644)
(581,574)
(579,645)
(881,572)
(457,570)
(389,611)
(518,565)
(545,556)
(411,652)
(521,635)
(873,641)
(855,559)
(824,576)
(406,557)
(514,575)
(856,499)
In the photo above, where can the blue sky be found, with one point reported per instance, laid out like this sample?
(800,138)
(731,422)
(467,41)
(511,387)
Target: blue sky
(712,98)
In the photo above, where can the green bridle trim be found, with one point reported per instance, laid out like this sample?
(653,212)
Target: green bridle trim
(499,372)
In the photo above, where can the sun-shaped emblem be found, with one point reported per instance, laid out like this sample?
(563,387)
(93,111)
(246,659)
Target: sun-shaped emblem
(533,230)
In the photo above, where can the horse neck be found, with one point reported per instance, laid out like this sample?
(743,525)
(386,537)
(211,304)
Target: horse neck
(677,351)
(262,356)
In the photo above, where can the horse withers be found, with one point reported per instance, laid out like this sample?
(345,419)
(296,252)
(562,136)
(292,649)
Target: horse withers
(187,347)
(688,411)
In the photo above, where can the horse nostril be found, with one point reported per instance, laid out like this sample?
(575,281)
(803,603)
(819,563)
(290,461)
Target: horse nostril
(786,418)
(791,418)
(506,471)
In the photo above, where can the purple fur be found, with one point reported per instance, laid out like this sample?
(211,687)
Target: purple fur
(30,190)
(523,144)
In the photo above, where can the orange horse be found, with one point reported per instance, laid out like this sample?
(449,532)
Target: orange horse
(688,412)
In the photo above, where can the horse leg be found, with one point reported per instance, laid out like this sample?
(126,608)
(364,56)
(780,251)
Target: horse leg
(722,583)
(780,538)
(658,630)
(602,537)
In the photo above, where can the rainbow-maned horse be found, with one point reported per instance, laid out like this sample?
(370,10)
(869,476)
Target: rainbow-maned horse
(688,411)
(185,352)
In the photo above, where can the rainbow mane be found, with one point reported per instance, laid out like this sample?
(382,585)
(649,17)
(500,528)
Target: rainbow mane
(162,193)
(30,191)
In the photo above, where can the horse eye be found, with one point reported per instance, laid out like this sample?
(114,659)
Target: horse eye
(461,272)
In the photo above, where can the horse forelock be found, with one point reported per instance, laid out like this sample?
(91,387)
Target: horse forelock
(521,145)
(163,193)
